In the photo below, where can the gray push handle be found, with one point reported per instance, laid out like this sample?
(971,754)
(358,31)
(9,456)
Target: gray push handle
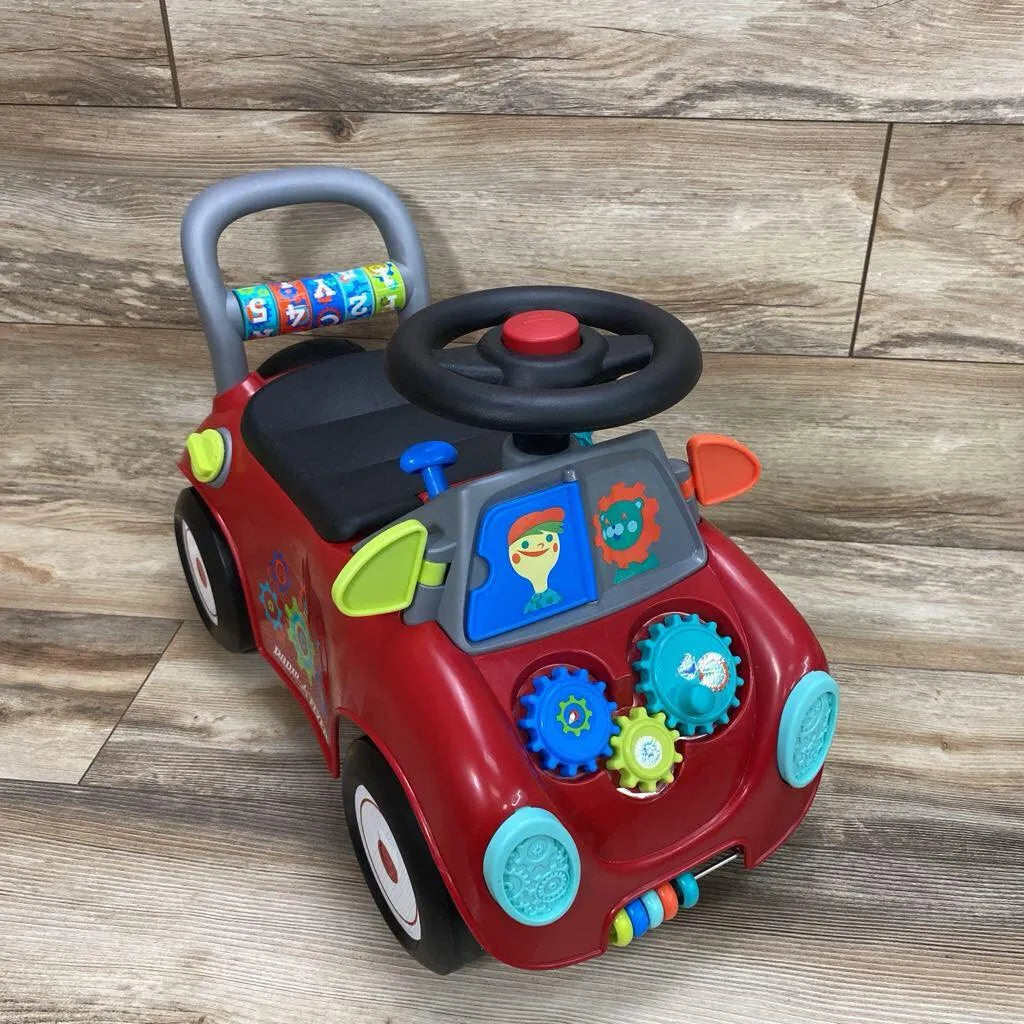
(222,204)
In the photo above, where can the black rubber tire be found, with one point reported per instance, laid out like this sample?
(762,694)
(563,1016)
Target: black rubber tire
(232,628)
(445,943)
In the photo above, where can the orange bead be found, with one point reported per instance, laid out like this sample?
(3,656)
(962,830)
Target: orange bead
(669,900)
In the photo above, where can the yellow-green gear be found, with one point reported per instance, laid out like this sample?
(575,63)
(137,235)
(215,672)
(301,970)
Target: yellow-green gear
(645,750)
(583,723)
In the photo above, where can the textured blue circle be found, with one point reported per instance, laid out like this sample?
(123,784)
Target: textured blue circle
(566,745)
(688,671)
(806,728)
(532,867)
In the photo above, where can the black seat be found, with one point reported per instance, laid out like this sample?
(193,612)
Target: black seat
(330,433)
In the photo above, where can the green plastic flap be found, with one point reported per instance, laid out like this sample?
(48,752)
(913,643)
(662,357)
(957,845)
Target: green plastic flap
(381,576)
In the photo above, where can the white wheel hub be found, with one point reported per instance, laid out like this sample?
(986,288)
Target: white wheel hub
(386,861)
(197,573)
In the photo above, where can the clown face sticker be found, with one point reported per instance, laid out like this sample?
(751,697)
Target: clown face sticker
(534,560)
(625,529)
(533,553)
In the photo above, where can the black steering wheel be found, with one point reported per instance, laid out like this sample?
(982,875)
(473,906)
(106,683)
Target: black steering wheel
(545,367)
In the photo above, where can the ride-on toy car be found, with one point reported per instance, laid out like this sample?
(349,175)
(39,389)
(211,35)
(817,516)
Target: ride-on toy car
(576,696)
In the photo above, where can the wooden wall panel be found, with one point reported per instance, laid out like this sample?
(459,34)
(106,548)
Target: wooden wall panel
(93,421)
(753,233)
(893,453)
(946,278)
(946,60)
(107,52)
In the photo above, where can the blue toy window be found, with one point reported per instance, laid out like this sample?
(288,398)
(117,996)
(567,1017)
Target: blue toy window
(538,561)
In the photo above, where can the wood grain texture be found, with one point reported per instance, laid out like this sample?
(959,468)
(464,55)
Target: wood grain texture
(753,233)
(739,58)
(944,280)
(884,605)
(240,907)
(947,742)
(910,453)
(93,421)
(65,681)
(212,723)
(109,52)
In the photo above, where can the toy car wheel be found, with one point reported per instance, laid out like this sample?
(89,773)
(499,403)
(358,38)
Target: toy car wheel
(398,865)
(212,576)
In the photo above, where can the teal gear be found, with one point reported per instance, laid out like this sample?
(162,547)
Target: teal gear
(688,671)
(568,721)
(271,606)
(298,634)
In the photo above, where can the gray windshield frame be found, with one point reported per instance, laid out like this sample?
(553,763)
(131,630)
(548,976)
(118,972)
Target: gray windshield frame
(452,520)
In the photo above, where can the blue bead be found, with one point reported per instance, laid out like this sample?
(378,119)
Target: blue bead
(638,917)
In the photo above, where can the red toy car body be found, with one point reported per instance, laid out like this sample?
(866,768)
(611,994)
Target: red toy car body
(446,714)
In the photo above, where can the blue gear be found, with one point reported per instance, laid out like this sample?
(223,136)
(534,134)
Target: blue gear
(568,720)
(688,671)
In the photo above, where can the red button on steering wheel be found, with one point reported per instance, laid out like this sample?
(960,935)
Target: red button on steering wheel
(541,332)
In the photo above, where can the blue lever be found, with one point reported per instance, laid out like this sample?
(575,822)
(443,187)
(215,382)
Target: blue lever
(427,458)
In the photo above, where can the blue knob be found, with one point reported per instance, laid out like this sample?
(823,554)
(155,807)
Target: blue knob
(427,458)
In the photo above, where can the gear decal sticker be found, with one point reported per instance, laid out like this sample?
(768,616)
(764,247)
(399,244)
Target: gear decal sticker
(271,606)
(280,574)
(297,626)
(298,633)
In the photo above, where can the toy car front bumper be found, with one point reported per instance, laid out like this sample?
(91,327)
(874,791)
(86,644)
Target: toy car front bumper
(607,888)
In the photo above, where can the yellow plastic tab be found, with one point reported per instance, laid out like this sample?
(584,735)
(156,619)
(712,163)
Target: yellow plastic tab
(381,576)
(206,454)
(432,573)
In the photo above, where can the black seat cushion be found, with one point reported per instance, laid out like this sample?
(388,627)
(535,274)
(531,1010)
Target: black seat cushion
(331,433)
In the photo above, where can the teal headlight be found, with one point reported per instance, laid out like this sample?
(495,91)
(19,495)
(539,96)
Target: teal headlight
(532,867)
(806,728)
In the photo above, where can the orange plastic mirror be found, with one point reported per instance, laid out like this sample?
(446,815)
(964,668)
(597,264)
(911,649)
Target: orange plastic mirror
(722,468)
